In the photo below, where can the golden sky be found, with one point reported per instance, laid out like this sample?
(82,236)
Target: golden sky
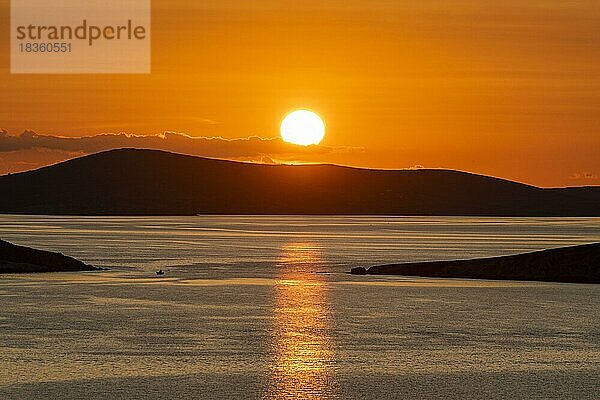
(510,88)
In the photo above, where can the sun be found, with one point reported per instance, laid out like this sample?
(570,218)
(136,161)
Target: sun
(302,127)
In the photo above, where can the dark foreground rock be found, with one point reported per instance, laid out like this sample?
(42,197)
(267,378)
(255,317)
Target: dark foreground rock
(576,264)
(19,259)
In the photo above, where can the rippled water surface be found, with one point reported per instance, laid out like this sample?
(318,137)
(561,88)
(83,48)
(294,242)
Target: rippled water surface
(260,307)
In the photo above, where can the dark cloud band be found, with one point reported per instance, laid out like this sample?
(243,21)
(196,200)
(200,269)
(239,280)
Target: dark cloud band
(250,147)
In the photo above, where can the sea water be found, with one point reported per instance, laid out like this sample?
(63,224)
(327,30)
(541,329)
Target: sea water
(261,307)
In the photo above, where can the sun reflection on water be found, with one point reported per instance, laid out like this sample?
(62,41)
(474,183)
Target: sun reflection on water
(301,333)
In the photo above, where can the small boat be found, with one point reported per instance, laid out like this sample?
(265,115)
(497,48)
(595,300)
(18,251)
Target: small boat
(160,272)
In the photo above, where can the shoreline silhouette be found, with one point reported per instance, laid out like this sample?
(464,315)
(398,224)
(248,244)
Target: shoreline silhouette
(573,264)
(20,259)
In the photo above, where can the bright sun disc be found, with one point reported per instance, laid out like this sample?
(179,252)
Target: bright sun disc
(302,127)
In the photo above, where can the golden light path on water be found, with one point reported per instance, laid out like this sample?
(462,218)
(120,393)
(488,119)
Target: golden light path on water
(301,333)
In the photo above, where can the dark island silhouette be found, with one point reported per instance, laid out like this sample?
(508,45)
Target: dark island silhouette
(20,259)
(575,264)
(152,182)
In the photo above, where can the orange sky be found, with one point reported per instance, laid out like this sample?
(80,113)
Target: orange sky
(509,89)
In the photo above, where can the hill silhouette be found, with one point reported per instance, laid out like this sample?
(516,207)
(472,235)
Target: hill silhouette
(152,182)
(20,259)
(577,264)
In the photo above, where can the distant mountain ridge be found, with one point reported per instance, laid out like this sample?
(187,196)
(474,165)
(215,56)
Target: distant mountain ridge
(153,182)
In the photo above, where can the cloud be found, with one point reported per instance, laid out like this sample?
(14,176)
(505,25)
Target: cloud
(583,176)
(254,147)
(24,160)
